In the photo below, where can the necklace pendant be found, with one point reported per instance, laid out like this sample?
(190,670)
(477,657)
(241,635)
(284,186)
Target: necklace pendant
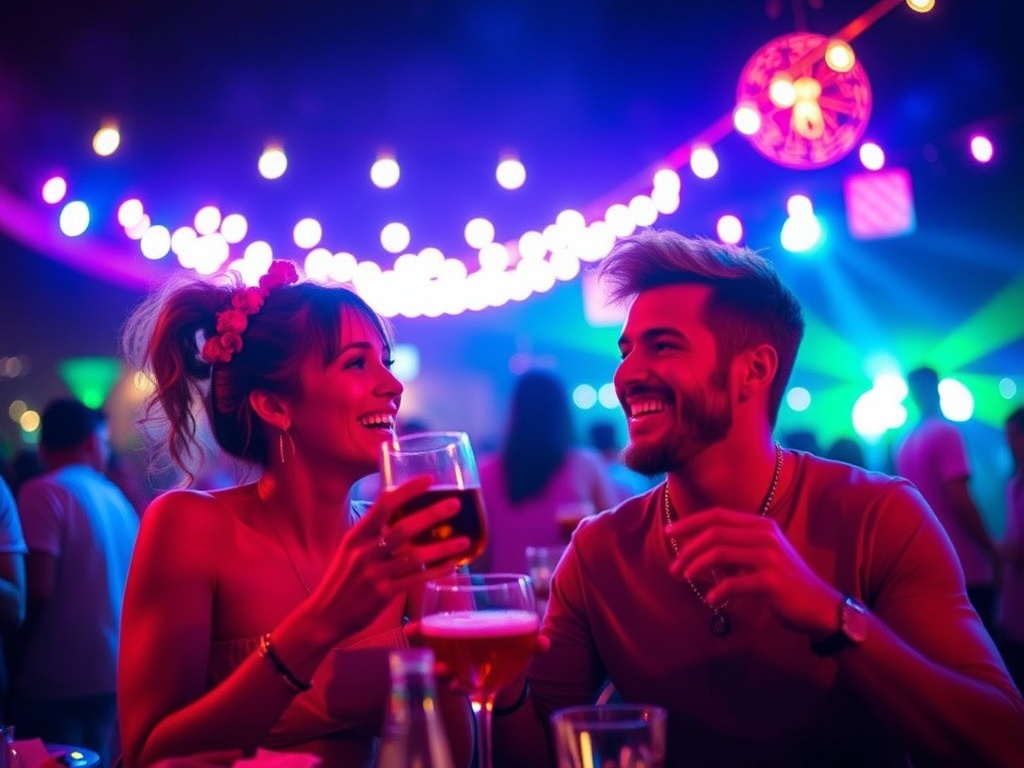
(720,625)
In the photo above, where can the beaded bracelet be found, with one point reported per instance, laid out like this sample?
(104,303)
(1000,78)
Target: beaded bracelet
(515,705)
(266,651)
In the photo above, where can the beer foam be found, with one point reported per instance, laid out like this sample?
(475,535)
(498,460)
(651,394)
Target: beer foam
(479,623)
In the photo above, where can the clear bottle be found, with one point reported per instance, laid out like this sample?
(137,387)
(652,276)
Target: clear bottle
(414,735)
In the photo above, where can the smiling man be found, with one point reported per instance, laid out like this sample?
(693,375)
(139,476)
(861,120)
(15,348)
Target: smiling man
(784,609)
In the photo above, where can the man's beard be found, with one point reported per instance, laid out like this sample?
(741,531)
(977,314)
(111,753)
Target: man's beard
(704,420)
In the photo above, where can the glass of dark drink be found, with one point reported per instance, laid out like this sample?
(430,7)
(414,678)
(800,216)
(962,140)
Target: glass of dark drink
(448,458)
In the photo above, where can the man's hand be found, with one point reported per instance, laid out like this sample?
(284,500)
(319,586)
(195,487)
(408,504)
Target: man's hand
(757,559)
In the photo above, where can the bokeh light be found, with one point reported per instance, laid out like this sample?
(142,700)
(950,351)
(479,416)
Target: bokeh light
(74,218)
(273,162)
(981,148)
(234,227)
(307,233)
(871,156)
(156,243)
(510,173)
(54,190)
(704,162)
(16,408)
(921,6)
(800,235)
(29,421)
(479,232)
(207,220)
(798,398)
(607,397)
(782,92)
(385,172)
(584,396)
(746,119)
(130,213)
(395,237)
(955,400)
(729,229)
(106,140)
(839,56)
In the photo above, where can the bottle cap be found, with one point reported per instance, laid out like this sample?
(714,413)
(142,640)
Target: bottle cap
(415,660)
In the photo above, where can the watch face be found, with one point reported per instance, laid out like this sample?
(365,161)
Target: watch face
(855,621)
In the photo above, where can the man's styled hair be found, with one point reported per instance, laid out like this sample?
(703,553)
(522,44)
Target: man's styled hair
(67,423)
(749,304)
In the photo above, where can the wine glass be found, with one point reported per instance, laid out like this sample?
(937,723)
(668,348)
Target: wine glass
(449,460)
(541,562)
(483,628)
(617,735)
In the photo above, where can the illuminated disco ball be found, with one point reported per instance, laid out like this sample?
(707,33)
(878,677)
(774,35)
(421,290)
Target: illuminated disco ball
(828,112)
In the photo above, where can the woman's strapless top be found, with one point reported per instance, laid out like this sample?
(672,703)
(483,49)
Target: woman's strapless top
(345,704)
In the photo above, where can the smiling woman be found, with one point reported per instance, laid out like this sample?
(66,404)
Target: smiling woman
(245,606)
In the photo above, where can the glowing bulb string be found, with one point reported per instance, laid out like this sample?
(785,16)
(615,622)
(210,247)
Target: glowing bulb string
(714,133)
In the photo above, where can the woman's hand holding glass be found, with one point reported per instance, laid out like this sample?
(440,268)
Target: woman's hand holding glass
(448,458)
(380,557)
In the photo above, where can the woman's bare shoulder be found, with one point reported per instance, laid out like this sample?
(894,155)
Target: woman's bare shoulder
(193,513)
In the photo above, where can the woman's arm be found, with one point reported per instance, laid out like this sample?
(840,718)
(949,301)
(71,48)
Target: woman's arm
(166,627)
(166,642)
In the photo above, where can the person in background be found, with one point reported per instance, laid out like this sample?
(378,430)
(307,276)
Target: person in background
(625,481)
(786,610)
(802,440)
(262,614)
(123,473)
(848,450)
(80,531)
(26,464)
(1010,614)
(540,483)
(934,458)
(12,585)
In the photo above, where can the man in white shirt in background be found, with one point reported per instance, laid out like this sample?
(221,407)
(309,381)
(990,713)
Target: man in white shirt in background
(934,458)
(80,530)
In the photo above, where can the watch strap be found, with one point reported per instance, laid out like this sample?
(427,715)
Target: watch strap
(840,639)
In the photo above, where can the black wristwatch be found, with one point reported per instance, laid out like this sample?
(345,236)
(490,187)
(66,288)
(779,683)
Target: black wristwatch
(853,629)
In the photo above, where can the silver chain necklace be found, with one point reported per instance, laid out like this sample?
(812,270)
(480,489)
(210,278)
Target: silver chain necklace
(280,541)
(720,624)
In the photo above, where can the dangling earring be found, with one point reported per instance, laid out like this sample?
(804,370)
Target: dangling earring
(280,445)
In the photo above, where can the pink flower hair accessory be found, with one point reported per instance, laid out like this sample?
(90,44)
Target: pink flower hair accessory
(233,321)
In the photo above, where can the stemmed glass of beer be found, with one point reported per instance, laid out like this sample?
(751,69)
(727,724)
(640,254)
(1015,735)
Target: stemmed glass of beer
(483,628)
(448,459)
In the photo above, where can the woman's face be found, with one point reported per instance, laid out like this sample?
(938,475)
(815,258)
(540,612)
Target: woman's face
(347,409)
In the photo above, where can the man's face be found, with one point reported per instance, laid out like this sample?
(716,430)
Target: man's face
(671,387)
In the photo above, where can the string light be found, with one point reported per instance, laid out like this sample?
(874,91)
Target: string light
(530,262)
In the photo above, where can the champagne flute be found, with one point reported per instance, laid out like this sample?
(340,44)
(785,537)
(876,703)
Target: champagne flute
(483,628)
(447,457)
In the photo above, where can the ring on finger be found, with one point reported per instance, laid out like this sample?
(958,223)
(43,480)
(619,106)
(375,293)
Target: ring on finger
(383,546)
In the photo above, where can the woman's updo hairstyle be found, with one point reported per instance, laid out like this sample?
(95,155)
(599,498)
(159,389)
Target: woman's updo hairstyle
(166,336)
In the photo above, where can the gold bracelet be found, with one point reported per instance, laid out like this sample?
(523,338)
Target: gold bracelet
(266,651)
